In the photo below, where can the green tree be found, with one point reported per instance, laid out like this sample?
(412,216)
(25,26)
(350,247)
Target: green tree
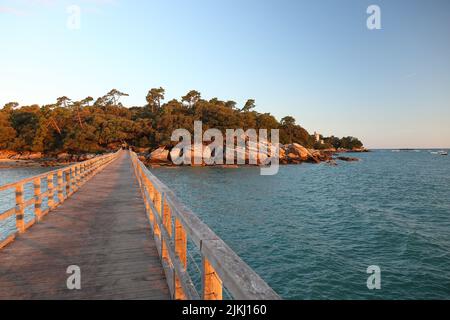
(79,126)
(191,98)
(154,98)
(249,105)
(7,132)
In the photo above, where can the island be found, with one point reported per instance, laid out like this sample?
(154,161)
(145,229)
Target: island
(71,131)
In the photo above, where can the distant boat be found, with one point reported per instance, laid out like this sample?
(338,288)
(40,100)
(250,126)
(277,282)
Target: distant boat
(442,152)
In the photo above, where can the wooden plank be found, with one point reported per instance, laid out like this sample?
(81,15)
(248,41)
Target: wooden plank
(7,241)
(103,228)
(221,263)
(7,214)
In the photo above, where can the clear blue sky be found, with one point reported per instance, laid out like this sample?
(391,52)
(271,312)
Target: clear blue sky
(315,60)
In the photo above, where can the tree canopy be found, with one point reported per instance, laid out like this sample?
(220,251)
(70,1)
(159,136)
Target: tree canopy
(83,126)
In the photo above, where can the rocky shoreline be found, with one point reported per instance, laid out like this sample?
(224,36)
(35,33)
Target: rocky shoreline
(289,154)
(12,159)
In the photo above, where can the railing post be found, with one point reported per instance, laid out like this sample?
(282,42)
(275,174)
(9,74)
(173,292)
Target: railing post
(167,222)
(68,182)
(51,192)
(212,285)
(78,176)
(87,167)
(37,198)
(158,202)
(83,171)
(151,192)
(60,186)
(180,250)
(158,210)
(20,210)
(147,204)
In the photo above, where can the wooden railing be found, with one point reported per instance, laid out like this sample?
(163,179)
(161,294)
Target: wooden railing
(172,225)
(68,180)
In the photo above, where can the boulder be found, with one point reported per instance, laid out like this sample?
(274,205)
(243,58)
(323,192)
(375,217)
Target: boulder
(332,163)
(63,156)
(160,155)
(17,156)
(321,155)
(298,150)
(86,156)
(35,156)
(348,159)
(282,153)
(27,155)
(7,154)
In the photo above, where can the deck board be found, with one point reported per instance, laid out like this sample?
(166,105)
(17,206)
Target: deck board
(104,230)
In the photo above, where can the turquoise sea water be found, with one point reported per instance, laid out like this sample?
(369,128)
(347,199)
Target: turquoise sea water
(312,230)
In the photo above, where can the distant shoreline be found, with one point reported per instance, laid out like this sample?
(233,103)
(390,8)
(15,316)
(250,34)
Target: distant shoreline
(15,160)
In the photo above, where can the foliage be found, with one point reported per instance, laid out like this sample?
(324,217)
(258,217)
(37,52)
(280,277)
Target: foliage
(344,143)
(83,126)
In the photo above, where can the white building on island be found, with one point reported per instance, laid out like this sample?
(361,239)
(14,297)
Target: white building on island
(317,136)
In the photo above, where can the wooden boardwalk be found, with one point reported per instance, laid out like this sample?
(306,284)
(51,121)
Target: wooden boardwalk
(103,229)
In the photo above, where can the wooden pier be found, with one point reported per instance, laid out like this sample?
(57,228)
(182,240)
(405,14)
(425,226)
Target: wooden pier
(124,229)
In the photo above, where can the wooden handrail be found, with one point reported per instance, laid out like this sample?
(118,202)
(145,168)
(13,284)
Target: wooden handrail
(69,180)
(172,224)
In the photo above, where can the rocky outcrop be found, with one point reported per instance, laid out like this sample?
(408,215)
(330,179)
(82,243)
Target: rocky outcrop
(7,154)
(63,157)
(297,153)
(35,156)
(160,155)
(296,150)
(85,157)
(26,156)
(288,154)
(347,159)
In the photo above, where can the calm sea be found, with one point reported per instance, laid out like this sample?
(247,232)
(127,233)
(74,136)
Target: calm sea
(312,230)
